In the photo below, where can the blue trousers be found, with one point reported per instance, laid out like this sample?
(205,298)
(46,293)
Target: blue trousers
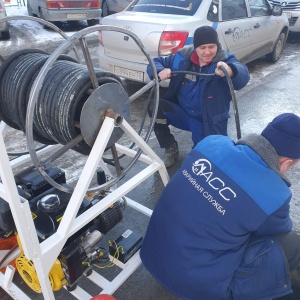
(170,113)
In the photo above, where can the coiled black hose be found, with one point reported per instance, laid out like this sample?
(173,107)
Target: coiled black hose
(65,89)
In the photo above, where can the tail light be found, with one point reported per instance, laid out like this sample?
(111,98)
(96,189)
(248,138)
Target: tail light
(171,41)
(72,4)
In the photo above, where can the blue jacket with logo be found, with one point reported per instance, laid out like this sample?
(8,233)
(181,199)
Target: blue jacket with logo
(215,95)
(211,234)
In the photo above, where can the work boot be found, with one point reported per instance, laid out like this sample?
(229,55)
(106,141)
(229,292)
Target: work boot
(295,278)
(171,153)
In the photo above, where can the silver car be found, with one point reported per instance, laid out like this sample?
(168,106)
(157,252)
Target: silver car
(292,9)
(113,6)
(67,10)
(248,28)
(4,30)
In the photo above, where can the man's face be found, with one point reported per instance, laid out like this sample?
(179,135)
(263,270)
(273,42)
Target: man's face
(206,53)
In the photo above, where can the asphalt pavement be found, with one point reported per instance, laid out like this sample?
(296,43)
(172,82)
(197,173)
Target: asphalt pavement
(273,89)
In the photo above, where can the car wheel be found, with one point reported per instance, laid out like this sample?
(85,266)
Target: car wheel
(29,9)
(5,35)
(105,10)
(275,55)
(93,22)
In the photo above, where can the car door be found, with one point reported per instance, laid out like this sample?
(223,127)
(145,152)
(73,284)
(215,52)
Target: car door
(236,28)
(264,27)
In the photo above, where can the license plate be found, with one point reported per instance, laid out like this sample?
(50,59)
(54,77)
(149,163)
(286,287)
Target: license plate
(76,16)
(131,74)
(289,15)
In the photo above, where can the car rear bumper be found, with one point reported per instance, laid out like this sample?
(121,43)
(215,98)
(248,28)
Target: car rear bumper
(71,14)
(110,64)
(129,70)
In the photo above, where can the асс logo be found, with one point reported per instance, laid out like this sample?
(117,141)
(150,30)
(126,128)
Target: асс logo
(203,167)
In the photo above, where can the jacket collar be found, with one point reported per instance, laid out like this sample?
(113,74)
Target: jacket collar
(189,51)
(266,151)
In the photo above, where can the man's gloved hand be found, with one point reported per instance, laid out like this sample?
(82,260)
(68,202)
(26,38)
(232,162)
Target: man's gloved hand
(219,72)
(164,74)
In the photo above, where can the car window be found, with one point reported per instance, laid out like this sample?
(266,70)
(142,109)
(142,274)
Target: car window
(174,7)
(259,8)
(233,9)
(213,12)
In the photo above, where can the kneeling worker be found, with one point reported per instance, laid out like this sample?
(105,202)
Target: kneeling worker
(196,104)
(221,228)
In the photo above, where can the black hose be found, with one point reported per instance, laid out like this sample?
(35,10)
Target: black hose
(3,67)
(22,101)
(193,73)
(234,104)
(37,135)
(18,154)
(66,87)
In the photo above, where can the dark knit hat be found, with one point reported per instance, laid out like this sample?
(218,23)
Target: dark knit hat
(205,35)
(284,135)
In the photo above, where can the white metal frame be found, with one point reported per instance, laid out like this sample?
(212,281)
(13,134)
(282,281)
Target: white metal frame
(44,254)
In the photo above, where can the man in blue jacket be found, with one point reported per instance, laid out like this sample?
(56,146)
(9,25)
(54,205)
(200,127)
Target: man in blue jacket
(221,229)
(197,104)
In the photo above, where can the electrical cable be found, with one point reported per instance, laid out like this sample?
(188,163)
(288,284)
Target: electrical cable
(115,257)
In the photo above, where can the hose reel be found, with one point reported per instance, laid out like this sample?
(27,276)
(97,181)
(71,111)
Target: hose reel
(54,111)
(57,100)
(65,89)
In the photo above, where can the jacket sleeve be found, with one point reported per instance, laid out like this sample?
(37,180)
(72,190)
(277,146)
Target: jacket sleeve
(241,72)
(160,64)
(278,222)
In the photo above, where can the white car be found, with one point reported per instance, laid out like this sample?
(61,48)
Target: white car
(292,9)
(248,28)
(4,30)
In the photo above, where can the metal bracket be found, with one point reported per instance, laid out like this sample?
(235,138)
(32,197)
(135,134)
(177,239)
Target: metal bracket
(44,254)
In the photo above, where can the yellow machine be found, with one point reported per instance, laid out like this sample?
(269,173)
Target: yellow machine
(27,271)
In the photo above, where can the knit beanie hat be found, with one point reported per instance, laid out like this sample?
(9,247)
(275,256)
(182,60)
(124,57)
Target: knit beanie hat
(283,133)
(205,35)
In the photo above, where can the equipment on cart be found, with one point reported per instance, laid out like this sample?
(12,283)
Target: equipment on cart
(56,100)
(47,207)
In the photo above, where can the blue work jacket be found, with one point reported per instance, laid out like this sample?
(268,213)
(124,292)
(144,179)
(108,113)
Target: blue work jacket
(211,234)
(216,95)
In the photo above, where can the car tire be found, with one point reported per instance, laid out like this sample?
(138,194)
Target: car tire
(93,22)
(105,9)
(275,55)
(5,35)
(30,11)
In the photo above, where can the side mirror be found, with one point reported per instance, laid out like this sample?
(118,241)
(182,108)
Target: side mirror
(277,10)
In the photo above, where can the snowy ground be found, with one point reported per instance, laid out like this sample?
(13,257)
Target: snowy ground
(27,32)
